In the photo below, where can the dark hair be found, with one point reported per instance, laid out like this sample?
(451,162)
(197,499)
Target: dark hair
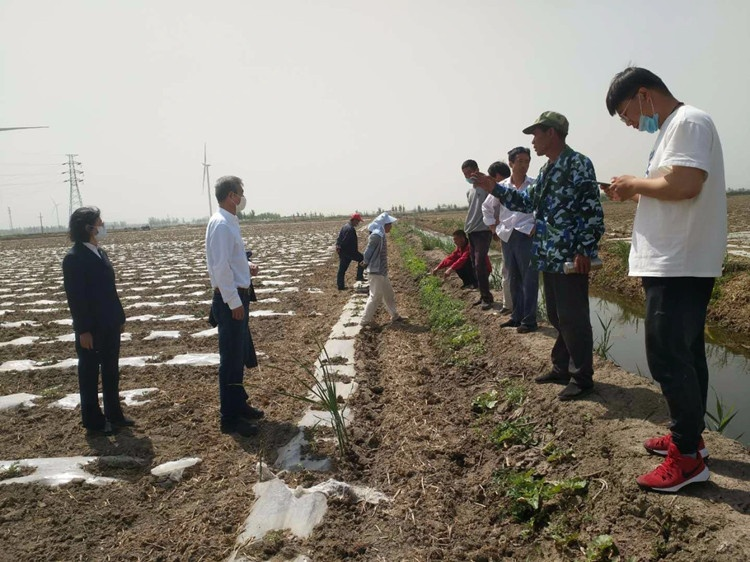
(516,151)
(625,85)
(81,222)
(470,164)
(226,185)
(498,168)
(460,233)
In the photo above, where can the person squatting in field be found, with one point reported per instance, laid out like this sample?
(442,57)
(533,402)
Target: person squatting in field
(678,246)
(459,261)
(569,223)
(376,262)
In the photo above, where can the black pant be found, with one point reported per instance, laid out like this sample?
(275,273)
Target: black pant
(480,247)
(567,300)
(106,353)
(236,351)
(344,262)
(676,352)
(466,274)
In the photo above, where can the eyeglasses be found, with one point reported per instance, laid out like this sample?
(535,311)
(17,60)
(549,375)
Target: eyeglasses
(622,116)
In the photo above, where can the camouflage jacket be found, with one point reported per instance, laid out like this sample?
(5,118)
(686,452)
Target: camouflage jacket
(568,214)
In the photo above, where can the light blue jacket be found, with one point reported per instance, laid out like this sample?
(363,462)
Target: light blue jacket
(376,253)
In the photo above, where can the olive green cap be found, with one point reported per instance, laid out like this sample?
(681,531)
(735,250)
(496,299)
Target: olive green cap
(549,119)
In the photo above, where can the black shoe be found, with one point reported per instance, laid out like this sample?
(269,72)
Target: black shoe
(343,288)
(487,305)
(524,329)
(480,301)
(98,431)
(250,413)
(553,377)
(510,324)
(467,286)
(506,310)
(574,392)
(243,427)
(124,422)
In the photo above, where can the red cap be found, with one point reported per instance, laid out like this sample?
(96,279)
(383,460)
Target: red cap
(356,217)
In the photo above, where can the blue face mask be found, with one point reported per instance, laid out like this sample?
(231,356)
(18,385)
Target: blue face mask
(470,180)
(648,124)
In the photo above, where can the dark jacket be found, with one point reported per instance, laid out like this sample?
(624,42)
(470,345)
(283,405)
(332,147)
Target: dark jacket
(90,287)
(346,243)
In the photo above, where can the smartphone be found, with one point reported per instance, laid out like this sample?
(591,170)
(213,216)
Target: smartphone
(603,184)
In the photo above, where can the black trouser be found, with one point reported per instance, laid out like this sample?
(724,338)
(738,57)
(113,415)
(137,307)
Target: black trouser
(344,262)
(106,353)
(567,300)
(236,351)
(480,247)
(466,273)
(676,352)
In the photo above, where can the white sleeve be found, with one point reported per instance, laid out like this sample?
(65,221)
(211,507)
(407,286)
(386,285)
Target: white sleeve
(218,254)
(489,210)
(690,146)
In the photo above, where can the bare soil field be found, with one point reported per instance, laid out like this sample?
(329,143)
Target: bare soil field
(415,436)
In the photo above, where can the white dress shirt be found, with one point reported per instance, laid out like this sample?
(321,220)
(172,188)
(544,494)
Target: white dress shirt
(494,212)
(227,263)
(94,249)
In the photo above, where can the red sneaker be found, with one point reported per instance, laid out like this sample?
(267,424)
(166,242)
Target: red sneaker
(676,472)
(660,446)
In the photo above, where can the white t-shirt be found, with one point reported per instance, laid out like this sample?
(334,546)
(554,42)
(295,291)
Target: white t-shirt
(685,238)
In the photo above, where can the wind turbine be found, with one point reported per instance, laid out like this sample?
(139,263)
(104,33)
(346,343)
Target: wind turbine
(207,181)
(56,212)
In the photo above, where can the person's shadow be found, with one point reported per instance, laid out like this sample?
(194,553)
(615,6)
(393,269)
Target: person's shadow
(123,455)
(271,436)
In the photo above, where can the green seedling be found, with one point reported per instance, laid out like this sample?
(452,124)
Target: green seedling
(555,454)
(485,402)
(601,549)
(515,394)
(603,344)
(723,417)
(530,497)
(515,432)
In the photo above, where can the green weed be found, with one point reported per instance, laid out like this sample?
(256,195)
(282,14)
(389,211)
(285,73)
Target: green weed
(603,344)
(325,396)
(514,432)
(530,497)
(601,549)
(515,394)
(485,402)
(723,417)
(555,454)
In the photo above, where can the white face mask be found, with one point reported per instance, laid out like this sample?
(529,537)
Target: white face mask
(101,233)
(242,203)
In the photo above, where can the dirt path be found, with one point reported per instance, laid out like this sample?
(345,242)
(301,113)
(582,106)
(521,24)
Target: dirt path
(418,441)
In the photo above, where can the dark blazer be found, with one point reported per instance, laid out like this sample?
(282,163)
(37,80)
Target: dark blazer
(90,286)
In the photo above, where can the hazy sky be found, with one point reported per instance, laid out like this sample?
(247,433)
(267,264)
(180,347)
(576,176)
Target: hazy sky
(332,106)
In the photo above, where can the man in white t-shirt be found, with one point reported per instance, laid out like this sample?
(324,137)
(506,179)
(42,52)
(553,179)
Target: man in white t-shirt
(679,242)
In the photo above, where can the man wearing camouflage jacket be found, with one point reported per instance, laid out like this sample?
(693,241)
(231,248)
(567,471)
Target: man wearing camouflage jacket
(568,225)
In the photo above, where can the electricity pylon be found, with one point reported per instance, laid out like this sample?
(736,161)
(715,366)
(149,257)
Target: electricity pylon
(73,179)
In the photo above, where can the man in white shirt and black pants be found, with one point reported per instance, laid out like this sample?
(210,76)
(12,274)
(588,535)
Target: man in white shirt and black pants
(679,242)
(229,271)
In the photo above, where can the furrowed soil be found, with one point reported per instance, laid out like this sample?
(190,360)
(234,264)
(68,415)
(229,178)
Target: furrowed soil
(414,438)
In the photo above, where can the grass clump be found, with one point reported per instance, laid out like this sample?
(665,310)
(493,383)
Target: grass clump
(723,417)
(513,432)
(531,498)
(555,454)
(514,393)
(322,393)
(603,344)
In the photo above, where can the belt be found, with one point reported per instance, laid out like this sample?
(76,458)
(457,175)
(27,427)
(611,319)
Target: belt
(240,290)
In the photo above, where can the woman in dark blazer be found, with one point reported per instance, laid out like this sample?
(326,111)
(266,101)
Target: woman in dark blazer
(98,321)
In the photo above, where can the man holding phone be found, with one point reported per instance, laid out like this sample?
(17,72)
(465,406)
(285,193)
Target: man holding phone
(678,245)
(568,225)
